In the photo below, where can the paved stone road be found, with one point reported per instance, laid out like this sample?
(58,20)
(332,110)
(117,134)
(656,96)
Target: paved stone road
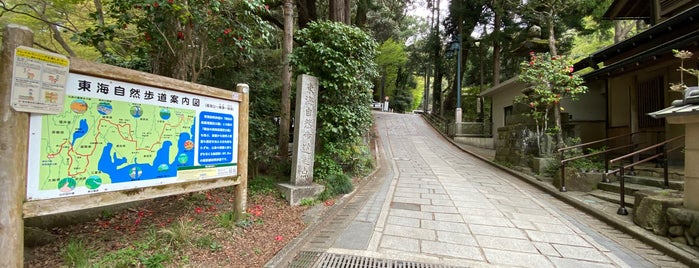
(432,203)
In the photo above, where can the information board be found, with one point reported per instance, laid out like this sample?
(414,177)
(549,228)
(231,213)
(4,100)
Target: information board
(113,135)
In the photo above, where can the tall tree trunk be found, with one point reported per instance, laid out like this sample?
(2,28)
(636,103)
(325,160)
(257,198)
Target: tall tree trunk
(307,12)
(285,120)
(339,11)
(496,43)
(437,87)
(100,21)
(362,9)
(552,35)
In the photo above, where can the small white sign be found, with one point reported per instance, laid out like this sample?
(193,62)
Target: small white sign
(38,81)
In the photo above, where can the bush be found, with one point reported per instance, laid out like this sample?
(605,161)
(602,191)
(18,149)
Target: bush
(342,57)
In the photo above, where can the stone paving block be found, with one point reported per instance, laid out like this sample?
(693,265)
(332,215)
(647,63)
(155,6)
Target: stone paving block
(533,211)
(451,250)
(521,224)
(554,238)
(487,220)
(482,212)
(410,214)
(569,263)
(518,259)
(482,204)
(581,253)
(403,221)
(546,249)
(412,200)
(594,243)
(412,232)
(520,203)
(448,217)
(400,189)
(553,228)
(435,196)
(400,243)
(497,231)
(518,245)
(409,195)
(441,202)
(466,197)
(536,218)
(439,209)
(445,226)
(456,238)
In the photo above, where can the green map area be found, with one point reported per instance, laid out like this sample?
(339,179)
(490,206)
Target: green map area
(95,142)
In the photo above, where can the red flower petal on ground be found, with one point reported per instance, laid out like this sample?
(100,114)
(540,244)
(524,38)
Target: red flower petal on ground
(329,203)
(278,238)
(198,210)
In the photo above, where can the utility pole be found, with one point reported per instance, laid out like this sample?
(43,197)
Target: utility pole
(285,120)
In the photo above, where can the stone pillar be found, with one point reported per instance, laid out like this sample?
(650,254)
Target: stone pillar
(691,157)
(458,119)
(691,169)
(301,185)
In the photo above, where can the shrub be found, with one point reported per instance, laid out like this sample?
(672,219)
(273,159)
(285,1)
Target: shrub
(342,57)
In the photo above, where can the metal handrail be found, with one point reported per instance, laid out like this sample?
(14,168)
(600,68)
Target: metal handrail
(622,204)
(563,160)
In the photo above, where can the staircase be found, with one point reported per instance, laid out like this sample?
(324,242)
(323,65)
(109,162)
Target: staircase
(645,178)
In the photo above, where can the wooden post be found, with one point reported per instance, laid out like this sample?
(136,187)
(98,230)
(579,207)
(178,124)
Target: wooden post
(241,193)
(14,132)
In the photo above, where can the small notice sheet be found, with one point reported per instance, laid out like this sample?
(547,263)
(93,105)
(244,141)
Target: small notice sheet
(38,81)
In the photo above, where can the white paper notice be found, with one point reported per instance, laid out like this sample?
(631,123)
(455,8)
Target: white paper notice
(38,81)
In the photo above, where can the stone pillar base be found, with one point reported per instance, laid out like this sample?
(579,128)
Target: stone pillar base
(294,193)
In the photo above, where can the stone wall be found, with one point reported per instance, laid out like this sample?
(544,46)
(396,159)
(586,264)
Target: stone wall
(683,226)
(662,213)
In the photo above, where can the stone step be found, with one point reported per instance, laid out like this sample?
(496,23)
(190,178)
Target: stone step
(612,197)
(630,187)
(655,182)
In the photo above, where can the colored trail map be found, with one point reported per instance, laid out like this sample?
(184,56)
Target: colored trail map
(112,135)
(95,142)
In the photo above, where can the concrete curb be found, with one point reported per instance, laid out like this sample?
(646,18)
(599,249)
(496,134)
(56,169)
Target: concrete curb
(639,233)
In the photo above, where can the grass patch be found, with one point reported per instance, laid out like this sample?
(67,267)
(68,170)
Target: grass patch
(262,185)
(179,233)
(76,254)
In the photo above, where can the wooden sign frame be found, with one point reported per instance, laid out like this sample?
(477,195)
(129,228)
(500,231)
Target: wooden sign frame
(14,133)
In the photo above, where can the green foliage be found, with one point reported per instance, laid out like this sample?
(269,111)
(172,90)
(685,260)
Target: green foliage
(391,57)
(342,57)
(307,202)
(262,185)
(336,184)
(550,79)
(226,220)
(180,39)
(76,254)
(179,233)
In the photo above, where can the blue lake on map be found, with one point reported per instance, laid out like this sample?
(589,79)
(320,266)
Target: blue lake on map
(81,131)
(136,171)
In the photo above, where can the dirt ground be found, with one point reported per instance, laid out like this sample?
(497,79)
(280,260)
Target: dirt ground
(190,230)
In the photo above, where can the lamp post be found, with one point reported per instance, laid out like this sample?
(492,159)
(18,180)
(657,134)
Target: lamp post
(455,46)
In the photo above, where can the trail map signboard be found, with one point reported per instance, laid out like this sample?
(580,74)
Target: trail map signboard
(113,135)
